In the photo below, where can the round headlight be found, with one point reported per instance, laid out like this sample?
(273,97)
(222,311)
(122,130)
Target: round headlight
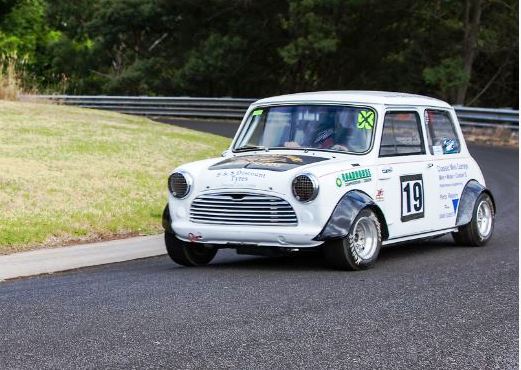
(179,184)
(305,187)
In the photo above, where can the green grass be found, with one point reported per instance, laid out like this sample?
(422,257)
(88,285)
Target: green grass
(70,174)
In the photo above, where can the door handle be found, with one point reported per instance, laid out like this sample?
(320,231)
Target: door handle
(429,165)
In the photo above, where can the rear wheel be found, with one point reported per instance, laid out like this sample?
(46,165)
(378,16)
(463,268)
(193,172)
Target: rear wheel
(188,254)
(360,248)
(479,230)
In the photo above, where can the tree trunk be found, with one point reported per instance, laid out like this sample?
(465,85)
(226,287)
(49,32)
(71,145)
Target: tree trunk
(470,38)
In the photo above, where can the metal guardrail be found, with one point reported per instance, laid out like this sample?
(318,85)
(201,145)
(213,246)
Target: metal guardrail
(232,108)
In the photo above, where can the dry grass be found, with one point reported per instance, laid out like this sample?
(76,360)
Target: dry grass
(70,174)
(10,79)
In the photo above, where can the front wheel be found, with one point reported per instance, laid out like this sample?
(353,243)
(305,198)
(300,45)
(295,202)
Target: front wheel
(479,230)
(188,254)
(360,248)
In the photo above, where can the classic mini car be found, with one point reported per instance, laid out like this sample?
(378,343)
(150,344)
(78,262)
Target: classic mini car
(341,172)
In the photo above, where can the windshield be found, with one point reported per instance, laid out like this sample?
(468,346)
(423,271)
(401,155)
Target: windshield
(323,127)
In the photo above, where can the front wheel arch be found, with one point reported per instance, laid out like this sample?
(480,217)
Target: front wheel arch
(167,220)
(346,211)
(383,223)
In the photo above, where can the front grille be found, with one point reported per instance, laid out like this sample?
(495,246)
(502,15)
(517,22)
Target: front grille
(242,209)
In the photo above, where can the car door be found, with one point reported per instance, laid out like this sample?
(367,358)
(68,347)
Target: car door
(451,170)
(404,188)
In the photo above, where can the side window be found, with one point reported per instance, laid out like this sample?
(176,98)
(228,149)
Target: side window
(401,134)
(441,134)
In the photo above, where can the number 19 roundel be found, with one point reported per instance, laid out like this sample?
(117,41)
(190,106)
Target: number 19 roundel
(412,197)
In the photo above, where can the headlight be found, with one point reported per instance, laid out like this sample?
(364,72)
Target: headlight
(305,187)
(179,184)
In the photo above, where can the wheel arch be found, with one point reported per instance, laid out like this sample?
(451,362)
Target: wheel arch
(471,192)
(383,222)
(345,212)
(167,219)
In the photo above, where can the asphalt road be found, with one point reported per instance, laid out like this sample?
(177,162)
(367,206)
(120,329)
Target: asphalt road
(430,305)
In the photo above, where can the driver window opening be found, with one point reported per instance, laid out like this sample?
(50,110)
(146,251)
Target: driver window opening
(401,134)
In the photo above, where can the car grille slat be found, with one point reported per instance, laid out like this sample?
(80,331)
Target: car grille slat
(249,203)
(242,209)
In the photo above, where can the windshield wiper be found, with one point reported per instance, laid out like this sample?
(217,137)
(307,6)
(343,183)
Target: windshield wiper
(247,148)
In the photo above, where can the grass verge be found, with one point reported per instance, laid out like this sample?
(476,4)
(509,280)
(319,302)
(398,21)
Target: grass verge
(70,174)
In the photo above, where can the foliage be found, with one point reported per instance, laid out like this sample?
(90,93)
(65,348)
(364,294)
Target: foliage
(248,48)
(446,76)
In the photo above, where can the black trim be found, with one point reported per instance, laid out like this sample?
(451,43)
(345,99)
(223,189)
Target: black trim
(167,220)
(471,192)
(344,214)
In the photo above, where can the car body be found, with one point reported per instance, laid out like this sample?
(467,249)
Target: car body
(331,171)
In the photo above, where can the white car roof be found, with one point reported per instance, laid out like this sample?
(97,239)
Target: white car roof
(355,96)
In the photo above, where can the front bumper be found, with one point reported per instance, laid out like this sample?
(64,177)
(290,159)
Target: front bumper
(278,236)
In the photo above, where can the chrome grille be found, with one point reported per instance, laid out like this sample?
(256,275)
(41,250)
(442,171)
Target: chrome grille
(242,209)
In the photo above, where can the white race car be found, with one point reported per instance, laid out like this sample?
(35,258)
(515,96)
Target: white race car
(343,172)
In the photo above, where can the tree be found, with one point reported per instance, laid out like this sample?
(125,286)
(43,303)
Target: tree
(461,51)
(471,25)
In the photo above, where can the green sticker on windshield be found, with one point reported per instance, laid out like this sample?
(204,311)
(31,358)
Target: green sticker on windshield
(365,120)
(257,112)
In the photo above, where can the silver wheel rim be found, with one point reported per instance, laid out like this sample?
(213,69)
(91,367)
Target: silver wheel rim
(365,238)
(484,219)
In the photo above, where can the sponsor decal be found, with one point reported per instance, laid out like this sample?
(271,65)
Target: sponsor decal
(450,146)
(257,112)
(455,204)
(353,177)
(379,195)
(437,150)
(194,237)
(365,120)
(452,178)
(236,176)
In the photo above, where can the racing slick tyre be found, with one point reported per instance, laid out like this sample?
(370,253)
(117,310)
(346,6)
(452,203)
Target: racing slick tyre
(360,248)
(188,254)
(479,230)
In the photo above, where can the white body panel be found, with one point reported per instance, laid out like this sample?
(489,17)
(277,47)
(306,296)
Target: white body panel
(443,180)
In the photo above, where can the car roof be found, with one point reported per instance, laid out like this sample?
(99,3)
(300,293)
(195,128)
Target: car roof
(357,97)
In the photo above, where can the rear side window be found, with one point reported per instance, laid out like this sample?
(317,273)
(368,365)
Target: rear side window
(401,134)
(441,133)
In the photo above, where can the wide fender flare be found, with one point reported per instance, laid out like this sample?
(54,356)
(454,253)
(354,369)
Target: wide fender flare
(167,220)
(345,213)
(469,196)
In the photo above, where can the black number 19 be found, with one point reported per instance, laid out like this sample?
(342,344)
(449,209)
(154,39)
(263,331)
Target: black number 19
(412,197)
(416,196)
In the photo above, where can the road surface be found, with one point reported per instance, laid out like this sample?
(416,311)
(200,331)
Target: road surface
(431,305)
